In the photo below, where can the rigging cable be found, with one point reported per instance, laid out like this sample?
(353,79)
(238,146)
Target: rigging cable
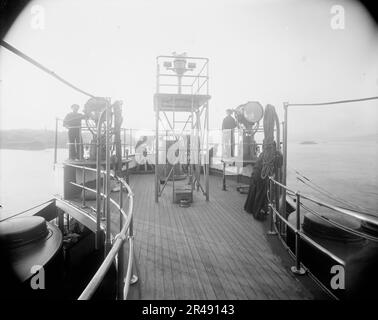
(40,66)
(332,102)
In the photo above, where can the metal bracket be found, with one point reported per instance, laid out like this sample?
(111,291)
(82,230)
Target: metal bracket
(134,279)
(300,272)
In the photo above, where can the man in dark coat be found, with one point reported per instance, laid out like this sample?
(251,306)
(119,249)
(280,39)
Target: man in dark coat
(228,127)
(72,122)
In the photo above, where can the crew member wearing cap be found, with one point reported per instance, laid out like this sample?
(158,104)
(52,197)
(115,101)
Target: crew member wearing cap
(72,122)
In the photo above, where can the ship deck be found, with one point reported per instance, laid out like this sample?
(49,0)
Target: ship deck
(211,250)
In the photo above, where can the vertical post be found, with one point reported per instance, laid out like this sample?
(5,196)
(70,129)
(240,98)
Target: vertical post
(107,178)
(277,173)
(56,142)
(270,205)
(297,269)
(68,221)
(284,171)
(224,176)
(121,253)
(127,167)
(98,185)
(83,194)
(134,276)
(80,145)
(198,144)
(277,199)
(103,217)
(61,220)
(131,140)
(156,151)
(173,183)
(179,84)
(120,205)
(157,132)
(207,156)
(124,142)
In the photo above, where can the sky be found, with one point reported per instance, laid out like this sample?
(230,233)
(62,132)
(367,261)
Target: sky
(269,51)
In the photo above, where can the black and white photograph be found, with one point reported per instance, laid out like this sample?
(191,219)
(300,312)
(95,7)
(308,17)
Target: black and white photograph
(188,154)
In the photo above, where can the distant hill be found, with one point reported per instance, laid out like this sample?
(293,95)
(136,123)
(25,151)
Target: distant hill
(29,139)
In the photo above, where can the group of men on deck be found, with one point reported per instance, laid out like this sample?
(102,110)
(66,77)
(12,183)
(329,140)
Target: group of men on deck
(256,200)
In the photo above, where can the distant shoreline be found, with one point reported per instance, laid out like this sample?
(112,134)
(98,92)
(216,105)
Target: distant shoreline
(28,139)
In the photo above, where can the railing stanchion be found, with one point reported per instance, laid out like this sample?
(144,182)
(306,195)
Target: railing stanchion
(121,254)
(124,142)
(134,274)
(284,171)
(83,189)
(98,187)
(297,269)
(103,217)
(68,222)
(224,188)
(56,142)
(80,146)
(61,220)
(127,167)
(271,211)
(108,243)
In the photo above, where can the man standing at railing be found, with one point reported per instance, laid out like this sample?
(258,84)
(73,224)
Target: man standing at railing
(72,122)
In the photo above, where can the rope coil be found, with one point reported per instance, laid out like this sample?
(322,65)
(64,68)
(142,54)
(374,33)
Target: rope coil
(269,153)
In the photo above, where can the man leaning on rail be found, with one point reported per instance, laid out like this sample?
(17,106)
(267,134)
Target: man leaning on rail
(72,122)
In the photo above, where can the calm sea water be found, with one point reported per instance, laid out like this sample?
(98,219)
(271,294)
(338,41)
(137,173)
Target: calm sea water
(28,178)
(348,170)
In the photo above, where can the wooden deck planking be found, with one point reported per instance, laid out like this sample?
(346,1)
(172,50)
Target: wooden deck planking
(211,250)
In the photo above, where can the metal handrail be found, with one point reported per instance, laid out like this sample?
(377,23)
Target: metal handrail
(115,248)
(299,234)
(305,237)
(340,226)
(350,213)
(87,129)
(118,238)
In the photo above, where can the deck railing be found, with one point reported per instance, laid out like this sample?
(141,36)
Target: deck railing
(125,233)
(83,147)
(274,213)
(126,218)
(193,78)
